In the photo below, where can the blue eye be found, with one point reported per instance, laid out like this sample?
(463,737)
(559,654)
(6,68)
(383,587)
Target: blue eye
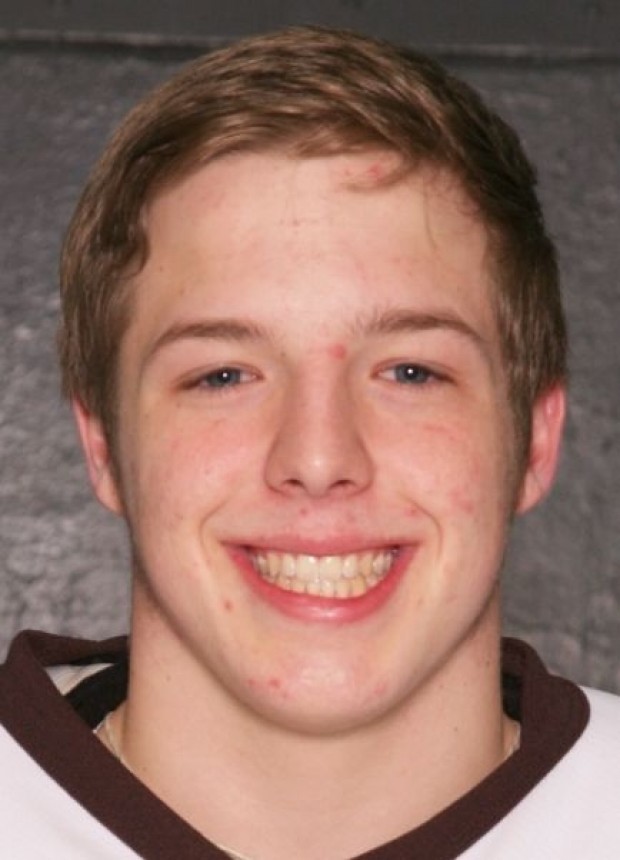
(412,374)
(223,377)
(221,380)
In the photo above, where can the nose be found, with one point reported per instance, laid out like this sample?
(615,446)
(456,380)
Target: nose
(318,448)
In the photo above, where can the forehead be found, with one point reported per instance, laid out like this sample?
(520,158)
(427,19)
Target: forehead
(261,233)
(230,180)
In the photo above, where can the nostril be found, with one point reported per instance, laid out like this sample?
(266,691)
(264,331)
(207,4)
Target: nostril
(316,488)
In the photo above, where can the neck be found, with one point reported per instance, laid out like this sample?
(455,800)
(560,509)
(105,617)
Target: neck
(207,756)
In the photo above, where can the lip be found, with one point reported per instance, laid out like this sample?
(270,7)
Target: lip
(315,608)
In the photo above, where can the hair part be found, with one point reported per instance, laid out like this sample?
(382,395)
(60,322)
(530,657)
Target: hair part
(308,92)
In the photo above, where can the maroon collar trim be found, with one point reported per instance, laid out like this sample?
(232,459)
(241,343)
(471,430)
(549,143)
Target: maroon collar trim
(554,713)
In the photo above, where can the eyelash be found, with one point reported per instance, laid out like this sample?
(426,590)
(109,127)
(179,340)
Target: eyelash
(404,373)
(220,379)
(413,374)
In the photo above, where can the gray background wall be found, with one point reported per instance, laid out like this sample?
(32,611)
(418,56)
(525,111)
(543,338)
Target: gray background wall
(69,71)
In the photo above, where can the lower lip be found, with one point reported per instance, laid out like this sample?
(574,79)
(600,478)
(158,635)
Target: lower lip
(308,607)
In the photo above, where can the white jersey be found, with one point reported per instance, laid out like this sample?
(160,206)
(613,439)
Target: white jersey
(573,813)
(38,819)
(64,797)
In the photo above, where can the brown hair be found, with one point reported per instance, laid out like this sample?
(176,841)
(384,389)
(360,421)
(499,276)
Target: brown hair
(308,91)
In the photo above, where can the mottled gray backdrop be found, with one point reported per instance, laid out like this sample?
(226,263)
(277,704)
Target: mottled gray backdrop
(64,562)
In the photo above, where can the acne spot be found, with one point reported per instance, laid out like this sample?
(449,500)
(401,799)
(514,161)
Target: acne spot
(463,501)
(277,686)
(228,605)
(375,171)
(380,690)
(273,683)
(337,351)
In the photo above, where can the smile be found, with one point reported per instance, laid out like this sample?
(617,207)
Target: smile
(334,576)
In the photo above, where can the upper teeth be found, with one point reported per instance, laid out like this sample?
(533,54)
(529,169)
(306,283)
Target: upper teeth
(328,575)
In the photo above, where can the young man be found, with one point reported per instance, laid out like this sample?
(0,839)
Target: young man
(314,343)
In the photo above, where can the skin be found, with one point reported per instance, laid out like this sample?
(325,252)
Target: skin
(317,442)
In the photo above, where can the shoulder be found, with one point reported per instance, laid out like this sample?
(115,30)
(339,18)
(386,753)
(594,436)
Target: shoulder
(605,712)
(596,756)
(38,818)
(572,812)
(43,743)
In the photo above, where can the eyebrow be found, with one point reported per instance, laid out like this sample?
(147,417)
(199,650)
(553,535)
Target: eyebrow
(217,329)
(373,323)
(409,321)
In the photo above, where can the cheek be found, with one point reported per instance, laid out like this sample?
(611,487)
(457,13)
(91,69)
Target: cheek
(175,465)
(463,499)
(337,351)
(452,469)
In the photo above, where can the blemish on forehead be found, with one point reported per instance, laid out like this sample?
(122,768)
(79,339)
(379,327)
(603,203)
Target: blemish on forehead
(376,170)
(337,351)
(369,174)
(369,170)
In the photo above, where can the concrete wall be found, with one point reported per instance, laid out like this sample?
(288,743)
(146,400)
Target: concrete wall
(64,562)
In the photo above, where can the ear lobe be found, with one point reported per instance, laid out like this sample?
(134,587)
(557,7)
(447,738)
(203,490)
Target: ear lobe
(98,459)
(547,425)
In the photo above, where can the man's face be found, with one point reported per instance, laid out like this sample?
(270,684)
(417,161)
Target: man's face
(315,445)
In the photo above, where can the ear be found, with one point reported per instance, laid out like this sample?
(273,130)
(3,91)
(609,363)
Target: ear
(547,425)
(98,460)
